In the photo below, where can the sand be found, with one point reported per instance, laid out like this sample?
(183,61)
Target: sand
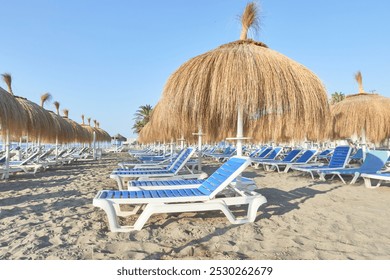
(51,216)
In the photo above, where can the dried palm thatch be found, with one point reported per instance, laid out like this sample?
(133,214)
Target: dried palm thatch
(12,115)
(40,124)
(246,75)
(65,132)
(147,135)
(80,135)
(359,79)
(57,106)
(45,98)
(8,81)
(362,113)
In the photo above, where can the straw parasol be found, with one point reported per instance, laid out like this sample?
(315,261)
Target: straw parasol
(80,135)
(363,114)
(13,118)
(38,124)
(235,84)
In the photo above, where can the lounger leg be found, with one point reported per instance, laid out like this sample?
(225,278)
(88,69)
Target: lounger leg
(322,176)
(367,183)
(119,181)
(111,214)
(354,179)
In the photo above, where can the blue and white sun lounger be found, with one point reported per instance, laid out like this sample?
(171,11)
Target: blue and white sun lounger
(122,175)
(338,160)
(269,165)
(257,161)
(374,162)
(302,160)
(203,198)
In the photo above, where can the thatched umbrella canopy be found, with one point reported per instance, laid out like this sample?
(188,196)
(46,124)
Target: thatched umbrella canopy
(363,114)
(12,115)
(106,137)
(101,135)
(226,88)
(66,133)
(81,135)
(150,134)
(40,124)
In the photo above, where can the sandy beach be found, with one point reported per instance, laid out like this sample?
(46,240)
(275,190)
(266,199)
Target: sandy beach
(51,216)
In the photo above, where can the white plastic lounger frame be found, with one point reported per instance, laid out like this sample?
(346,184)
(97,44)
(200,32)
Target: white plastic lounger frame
(379,176)
(203,198)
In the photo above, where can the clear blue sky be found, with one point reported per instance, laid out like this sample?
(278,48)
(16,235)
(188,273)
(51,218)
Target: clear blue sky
(105,58)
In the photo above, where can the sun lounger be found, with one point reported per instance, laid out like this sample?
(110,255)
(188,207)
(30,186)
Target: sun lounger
(257,161)
(270,165)
(302,160)
(173,170)
(357,156)
(374,162)
(338,160)
(28,165)
(206,197)
(263,154)
(325,155)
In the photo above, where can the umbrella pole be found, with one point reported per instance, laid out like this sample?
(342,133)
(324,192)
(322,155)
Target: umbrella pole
(56,149)
(171,148)
(94,145)
(199,148)
(240,130)
(7,146)
(364,145)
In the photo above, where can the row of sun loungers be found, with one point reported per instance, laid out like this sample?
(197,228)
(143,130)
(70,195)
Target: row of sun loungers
(39,160)
(164,189)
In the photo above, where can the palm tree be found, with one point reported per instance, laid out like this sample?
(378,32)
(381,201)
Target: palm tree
(142,117)
(137,127)
(337,97)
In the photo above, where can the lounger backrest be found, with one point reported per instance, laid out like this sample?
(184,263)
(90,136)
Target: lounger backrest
(325,152)
(306,156)
(340,157)
(274,153)
(30,158)
(255,152)
(358,154)
(174,160)
(265,152)
(182,160)
(224,175)
(375,161)
(291,155)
